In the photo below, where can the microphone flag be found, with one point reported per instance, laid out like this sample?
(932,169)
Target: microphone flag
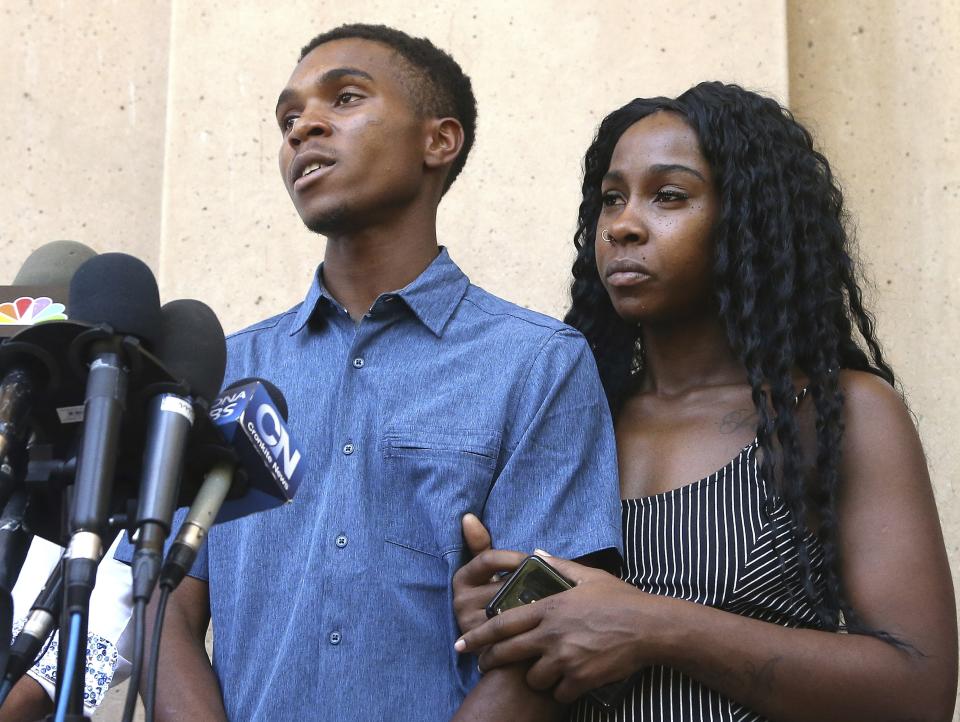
(254,428)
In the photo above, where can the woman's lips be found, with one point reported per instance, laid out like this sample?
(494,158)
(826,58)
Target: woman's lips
(623,272)
(627,278)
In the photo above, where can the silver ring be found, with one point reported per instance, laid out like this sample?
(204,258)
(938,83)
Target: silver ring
(605,235)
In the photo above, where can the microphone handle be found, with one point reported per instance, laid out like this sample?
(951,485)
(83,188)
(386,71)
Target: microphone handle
(14,543)
(199,519)
(16,392)
(170,419)
(14,539)
(40,623)
(103,408)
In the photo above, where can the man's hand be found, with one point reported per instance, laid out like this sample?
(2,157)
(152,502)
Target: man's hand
(474,584)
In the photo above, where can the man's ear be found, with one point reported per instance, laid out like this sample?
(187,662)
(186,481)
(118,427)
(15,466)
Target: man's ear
(444,142)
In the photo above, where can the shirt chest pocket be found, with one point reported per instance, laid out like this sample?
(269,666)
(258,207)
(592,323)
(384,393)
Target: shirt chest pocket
(432,478)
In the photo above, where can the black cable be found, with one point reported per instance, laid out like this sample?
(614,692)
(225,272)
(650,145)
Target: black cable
(139,639)
(7,685)
(149,697)
(46,647)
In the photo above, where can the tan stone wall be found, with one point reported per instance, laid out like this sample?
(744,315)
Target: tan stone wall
(878,83)
(84,95)
(544,74)
(148,127)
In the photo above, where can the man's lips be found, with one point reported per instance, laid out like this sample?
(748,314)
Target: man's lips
(309,166)
(626,272)
(311,177)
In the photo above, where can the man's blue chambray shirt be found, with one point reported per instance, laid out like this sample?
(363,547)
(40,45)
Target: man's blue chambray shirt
(444,399)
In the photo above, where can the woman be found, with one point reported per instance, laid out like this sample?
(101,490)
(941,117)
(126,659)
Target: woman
(775,492)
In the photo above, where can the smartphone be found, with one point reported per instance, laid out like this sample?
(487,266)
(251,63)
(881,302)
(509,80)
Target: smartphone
(533,580)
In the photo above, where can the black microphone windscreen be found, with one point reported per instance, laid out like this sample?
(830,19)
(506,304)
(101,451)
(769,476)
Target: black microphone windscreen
(276,396)
(53,264)
(192,345)
(119,290)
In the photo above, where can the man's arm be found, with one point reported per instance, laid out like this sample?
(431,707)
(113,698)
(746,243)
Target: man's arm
(503,693)
(187,688)
(562,472)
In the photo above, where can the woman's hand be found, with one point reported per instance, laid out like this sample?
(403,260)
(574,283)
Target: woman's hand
(474,584)
(596,633)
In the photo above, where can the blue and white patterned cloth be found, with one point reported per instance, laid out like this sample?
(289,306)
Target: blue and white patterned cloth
(108,650)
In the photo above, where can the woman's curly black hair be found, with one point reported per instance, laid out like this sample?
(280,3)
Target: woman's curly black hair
(786,286)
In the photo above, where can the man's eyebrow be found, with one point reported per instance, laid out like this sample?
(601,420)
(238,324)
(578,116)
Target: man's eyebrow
(334,74)
(286,95)
(338,73)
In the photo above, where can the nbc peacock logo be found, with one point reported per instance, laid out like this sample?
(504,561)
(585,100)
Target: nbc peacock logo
(26,311)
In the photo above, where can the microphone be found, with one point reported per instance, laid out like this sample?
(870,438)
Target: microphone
(193,348)
(41,622)
(263,468)
(259,461)
(53,264)
(118,292)
(14,543)
(23,373)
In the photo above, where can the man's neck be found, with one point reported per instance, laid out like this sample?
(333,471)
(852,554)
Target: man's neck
(359,267)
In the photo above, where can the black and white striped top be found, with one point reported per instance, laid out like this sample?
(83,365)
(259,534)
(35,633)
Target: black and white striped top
(724,541)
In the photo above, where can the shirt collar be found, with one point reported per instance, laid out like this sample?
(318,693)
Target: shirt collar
(432,296)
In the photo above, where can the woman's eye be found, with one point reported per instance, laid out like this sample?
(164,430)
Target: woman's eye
(668,195)
(610,199)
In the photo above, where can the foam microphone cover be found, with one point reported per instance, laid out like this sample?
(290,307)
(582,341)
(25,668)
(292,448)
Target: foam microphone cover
(119,290)
(53,264)
(192,345)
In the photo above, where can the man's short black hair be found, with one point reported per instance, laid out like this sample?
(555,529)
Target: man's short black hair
(437,85)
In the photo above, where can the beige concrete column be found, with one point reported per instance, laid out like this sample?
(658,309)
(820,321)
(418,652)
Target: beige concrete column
(83,89)
(877,82)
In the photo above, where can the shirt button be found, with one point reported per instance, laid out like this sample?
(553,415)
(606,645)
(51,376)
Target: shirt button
(348,448)
(358,363)
(341,541)
(334,638)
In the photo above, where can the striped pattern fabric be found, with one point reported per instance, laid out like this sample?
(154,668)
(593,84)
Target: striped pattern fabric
(723,541)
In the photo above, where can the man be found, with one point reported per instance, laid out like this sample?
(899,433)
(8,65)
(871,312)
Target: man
(416,396)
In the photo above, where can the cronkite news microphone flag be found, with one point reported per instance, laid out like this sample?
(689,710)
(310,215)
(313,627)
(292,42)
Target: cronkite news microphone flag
(253,427)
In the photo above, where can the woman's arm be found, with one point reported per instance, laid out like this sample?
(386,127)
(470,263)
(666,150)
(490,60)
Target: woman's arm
(896,576)
(27,702)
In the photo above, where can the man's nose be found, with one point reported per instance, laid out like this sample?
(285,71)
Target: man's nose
(308,124)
